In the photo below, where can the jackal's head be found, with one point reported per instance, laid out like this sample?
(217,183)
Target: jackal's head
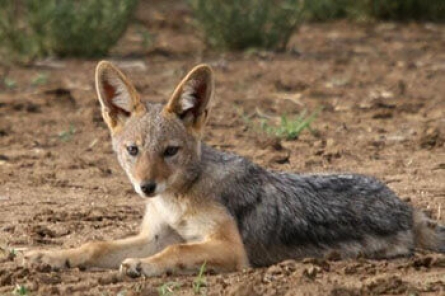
(157,145)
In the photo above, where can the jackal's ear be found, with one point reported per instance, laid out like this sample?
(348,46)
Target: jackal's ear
(190,100)
(118,97)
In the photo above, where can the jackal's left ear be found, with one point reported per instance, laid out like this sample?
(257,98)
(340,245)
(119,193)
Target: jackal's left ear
(118,97)
(190,101)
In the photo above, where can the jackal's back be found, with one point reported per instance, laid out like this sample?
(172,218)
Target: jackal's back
(282,216)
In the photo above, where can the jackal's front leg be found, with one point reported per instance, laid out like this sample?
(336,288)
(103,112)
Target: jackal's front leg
(183,258)
(107,254)
(221,250)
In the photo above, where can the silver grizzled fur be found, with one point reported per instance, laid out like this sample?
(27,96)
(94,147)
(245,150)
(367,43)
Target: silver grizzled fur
(283,215)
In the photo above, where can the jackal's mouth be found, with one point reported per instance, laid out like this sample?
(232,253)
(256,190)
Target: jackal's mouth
(143,195)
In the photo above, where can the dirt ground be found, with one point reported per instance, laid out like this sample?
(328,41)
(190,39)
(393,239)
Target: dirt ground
(382,88)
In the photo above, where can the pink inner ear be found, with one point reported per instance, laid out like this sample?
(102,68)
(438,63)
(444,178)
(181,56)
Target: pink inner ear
(110,93)
(200,94)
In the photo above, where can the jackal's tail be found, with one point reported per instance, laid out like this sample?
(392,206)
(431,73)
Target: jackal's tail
(428,233)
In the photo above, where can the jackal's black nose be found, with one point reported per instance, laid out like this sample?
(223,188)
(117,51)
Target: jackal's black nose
(148,187)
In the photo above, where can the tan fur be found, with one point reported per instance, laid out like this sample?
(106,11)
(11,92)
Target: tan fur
(180,232)
(426,234)
(219,244)
(151,169)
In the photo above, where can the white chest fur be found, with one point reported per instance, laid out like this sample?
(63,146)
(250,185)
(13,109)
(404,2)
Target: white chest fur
(177,216)
(169,210)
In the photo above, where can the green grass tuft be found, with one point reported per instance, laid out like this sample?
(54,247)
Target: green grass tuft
(200,281)
(40,79)
(287,128)
(20,290)
(239,25)
(89,28)
(9,83)
(168,289)
(67,135)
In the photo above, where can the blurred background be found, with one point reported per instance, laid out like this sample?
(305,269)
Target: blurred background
(31,29)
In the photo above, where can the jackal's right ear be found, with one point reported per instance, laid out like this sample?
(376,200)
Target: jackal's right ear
(118,97)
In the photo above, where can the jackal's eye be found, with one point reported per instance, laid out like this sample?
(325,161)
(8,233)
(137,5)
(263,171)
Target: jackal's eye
(170,151)
(133,150)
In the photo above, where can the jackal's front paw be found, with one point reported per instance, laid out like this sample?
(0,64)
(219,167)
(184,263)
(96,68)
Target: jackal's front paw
(56,260)
(137,267)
